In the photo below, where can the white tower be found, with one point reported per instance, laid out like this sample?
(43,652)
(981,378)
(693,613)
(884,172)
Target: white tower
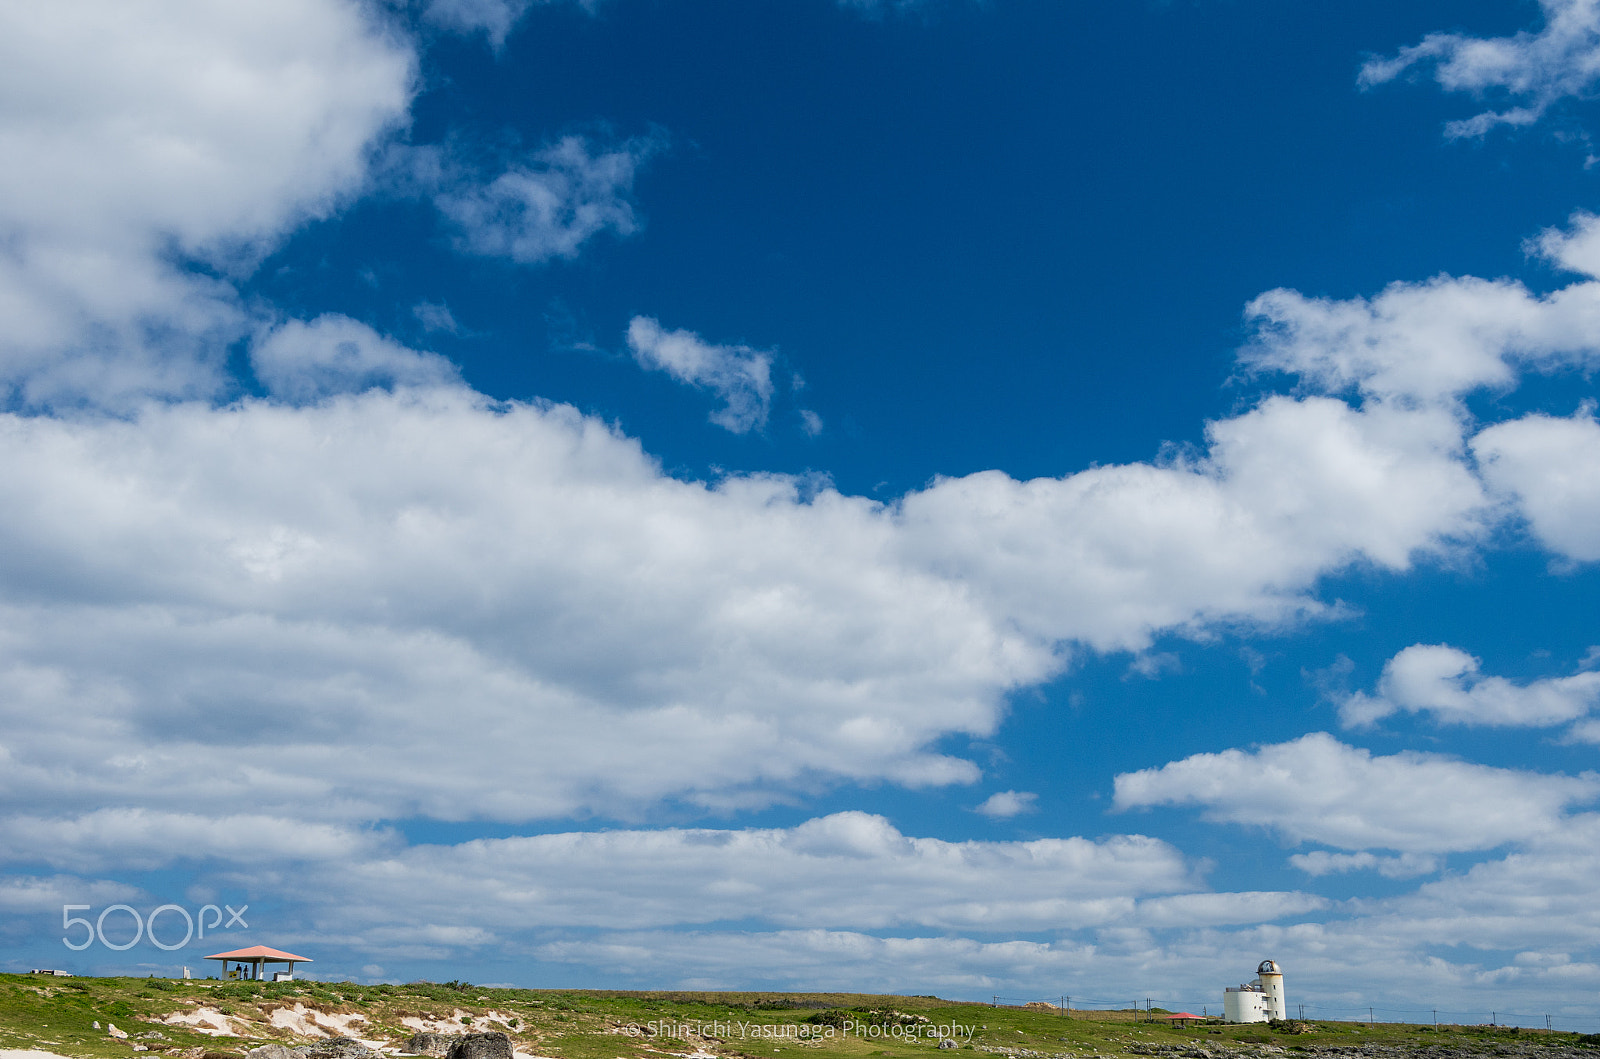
(1271,980)
(1260,1001)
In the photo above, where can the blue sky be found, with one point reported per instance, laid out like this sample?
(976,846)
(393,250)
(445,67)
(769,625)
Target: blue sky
(926,496)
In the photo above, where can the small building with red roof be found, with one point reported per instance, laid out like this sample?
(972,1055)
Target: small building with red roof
(254,960)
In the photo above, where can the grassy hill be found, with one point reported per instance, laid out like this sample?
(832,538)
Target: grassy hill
(60,1015)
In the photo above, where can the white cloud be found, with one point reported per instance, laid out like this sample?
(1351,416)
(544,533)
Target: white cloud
(1575,248)
(1531,70)
(137,839)
(332,354)
(141,134)
(494,17)
(1585,732)
(850,869)
(1444,681)
(544,208)
(1319,790)
(1539,897)
(1402,866)
(462,588)
(44,895)
(739,375)
(1286,492)
(1428,341)
(1551,468)
(1004,804)
(820,959)
(435,316)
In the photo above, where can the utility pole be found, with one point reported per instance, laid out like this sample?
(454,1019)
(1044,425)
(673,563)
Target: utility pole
(1302,1012)
(1436,1016)
(1372,1020)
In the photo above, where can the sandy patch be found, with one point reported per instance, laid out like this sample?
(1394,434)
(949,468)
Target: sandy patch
(26,1053)
(340,1024)
(310,1022)
(209,1021)
(296,1020)
(453,1024)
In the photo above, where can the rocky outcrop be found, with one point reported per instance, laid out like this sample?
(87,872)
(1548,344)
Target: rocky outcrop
(430,1043)
(481,1046)
(337,1048)
(274,1051)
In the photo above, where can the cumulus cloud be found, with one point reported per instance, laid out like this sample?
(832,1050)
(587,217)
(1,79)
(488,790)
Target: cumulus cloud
(545,207)
(849,869)
(1436,341)
(302,361)
(815,959)
(1550,468)
(225,128)
(1445,682)
(1004,804)
(1530,70)
(42,895)
(1575,248)
(137,839)
(469,590)
(1403,866)
(1428,341)
(739,375)
(1537,901)
(1316,789)
(1286,491)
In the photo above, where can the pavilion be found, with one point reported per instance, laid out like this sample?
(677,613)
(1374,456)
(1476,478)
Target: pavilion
(258,956)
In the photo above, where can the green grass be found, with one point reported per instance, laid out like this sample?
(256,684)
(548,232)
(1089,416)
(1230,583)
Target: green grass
(58,1015)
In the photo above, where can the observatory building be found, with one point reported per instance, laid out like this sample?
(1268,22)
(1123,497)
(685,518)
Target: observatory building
(1260,1001)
